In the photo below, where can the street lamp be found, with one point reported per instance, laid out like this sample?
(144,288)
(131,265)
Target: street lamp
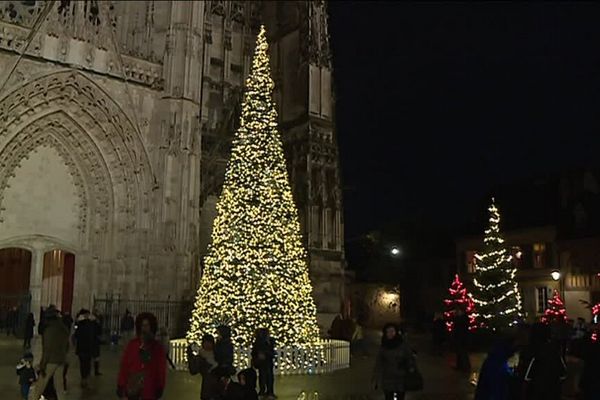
(555,275)
(395,251)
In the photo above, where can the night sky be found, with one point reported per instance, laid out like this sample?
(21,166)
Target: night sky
(438,103)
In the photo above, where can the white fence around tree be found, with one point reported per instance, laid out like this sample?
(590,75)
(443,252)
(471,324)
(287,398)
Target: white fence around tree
(334,355)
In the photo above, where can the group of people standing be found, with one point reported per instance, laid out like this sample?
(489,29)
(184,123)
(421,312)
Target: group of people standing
(55,329)
(214,361)
(541,369)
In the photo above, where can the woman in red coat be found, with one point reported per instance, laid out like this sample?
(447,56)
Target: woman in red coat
(144,365)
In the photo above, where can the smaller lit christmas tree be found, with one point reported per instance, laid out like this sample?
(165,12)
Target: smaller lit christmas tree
(596,315)
(556,311)
(459,299)
(495,289)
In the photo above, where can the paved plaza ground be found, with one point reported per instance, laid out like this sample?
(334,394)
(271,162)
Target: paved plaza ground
(441,380)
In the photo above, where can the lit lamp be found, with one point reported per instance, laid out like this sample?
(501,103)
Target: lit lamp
(395,251)
(555,275)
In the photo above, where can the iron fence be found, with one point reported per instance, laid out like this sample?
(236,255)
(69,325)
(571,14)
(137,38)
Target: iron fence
(14,322)
(323,357)
(171,314)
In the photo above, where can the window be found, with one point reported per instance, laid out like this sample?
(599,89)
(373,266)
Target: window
(542,299)
(470,261)
(539,255)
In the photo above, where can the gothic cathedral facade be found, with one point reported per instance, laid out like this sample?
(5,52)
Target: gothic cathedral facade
(115,124)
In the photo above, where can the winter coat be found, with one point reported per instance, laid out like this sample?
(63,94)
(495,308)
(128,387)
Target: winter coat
(203,363)
(250,386)
(495,376)
(153,371)
(127,323)
(233,391)
(394,360)
(29,325)
(590,382)
(85,337)
(26,373)
(55,343)
(68,321)
(461,330)
(97,336)
(545,372)
(224,348)
(263,352)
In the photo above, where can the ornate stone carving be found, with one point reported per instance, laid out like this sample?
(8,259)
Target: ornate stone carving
(315,47)
(20,12)
(106,158)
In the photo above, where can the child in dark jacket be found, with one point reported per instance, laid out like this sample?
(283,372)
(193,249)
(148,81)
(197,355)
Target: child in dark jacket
(247,378)
(26,374)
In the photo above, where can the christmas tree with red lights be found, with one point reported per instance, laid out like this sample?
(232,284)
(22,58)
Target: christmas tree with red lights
(459,299)
(556,311)
(596,315)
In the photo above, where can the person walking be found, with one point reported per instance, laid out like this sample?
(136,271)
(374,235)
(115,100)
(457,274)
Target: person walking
(142,374)
(495,378)
(55,345)
(84,338)
(543,366)
(11,322)
(127,326)
(263,357)
(438,333)
(394,361)
(224,348)
(590,382)
(28,331)
(97,324)
(42,323)
(461,340)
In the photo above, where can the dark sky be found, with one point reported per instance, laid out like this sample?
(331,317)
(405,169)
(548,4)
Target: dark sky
(437,103)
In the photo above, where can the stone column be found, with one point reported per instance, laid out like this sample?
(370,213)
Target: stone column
(35,282)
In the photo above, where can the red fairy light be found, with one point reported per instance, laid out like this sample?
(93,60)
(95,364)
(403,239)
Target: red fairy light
(459,299)
(556,311)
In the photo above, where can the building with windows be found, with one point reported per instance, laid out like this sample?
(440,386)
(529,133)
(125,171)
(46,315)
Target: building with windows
(115,125)
(535,254)
(551,225)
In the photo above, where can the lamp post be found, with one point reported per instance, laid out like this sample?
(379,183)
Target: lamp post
(557,277)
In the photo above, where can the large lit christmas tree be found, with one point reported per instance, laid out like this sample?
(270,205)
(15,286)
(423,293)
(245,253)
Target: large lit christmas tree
(496,293)
(256,272)
(556,311)
(459,300)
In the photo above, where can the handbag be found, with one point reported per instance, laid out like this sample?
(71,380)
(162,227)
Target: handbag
(413,380)
(135,386)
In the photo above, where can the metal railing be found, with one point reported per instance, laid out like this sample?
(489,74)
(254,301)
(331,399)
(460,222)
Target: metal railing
(323,357)
(172,315)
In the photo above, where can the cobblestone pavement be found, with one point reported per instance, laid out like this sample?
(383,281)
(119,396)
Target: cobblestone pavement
(441,381)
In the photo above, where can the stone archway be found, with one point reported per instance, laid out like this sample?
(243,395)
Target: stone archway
(15,270)
(74,168)
(58,278)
